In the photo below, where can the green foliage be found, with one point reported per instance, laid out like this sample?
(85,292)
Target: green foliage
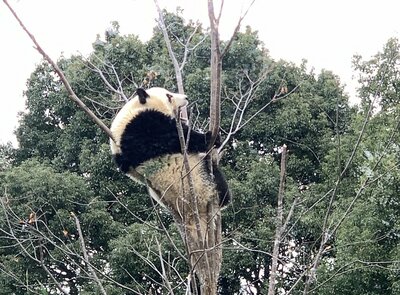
(148,243)
(36,206)
(6,156)
(379,76)
(364,255)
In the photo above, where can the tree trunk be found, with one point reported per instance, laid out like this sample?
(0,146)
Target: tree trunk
(279,225)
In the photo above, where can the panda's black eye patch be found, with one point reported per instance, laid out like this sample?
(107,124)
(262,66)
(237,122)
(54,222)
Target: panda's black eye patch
(169,97)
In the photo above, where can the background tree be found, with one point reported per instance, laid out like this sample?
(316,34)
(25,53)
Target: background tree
(365,246)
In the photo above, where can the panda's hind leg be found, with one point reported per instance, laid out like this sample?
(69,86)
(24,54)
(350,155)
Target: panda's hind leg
(222,187)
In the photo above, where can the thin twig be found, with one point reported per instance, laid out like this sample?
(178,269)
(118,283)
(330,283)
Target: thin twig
(163,271)
(86,257)
(236,30)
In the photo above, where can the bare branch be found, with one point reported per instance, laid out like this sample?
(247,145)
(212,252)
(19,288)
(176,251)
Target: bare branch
(279,223)
(241,108)
(236,30)
(86,257)
(119,90)
(15,278)
(221,8)
(163,271)
(39,261)
(171,53)
(216,72)
(273,100)
(290,214)
(45,235)
(367,182)
(62,77)
(186,46)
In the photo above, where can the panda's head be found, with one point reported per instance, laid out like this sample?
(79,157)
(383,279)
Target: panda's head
(156,98)
(160,99)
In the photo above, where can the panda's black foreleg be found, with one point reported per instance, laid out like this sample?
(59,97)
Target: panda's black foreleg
(197,140)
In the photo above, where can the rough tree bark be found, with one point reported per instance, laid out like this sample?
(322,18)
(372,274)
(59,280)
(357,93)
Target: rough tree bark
(279,224)
(177,68)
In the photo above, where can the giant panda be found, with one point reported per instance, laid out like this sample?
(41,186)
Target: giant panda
(147,144)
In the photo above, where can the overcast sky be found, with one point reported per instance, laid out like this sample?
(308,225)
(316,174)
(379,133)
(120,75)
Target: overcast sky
(326,33)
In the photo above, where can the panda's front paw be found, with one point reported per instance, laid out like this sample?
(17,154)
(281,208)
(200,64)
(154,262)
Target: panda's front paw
(217,142)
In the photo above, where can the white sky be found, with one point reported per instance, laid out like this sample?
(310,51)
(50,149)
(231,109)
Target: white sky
(326,33)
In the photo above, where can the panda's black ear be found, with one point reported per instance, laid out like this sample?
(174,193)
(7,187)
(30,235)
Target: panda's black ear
(142,95)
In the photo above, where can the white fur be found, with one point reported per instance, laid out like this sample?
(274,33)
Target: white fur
(170,182)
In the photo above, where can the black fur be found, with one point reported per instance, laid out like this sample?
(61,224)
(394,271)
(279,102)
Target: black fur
(152,134)
(222,187)
(224,193)
(142,94)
